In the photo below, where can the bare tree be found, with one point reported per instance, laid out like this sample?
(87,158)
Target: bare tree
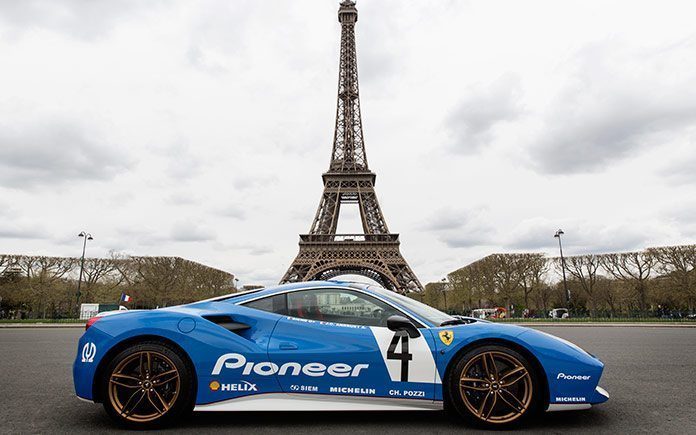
(613,292)
(432,295)
(508,272)
(474,282)
(46,285)
(95,271)
(584,269)
(463,290)
(163,281)
(533,269)
(678,264)
(42,274)
(5,261)
(634,268)
(481,277)
(543,297)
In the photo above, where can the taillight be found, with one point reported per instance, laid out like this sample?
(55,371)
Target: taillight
(90,322)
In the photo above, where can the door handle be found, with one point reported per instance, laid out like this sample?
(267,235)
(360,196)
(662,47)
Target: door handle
(287,346)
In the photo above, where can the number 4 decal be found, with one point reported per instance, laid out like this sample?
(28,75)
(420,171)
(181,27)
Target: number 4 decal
(407,359)
(404,356)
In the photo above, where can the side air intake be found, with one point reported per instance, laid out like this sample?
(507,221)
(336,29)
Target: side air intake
(227,322)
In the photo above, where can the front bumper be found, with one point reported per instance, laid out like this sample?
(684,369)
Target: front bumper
(600,396)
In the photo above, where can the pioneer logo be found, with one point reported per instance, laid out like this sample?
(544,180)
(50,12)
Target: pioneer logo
(89,350)
(266,368)
(573,377)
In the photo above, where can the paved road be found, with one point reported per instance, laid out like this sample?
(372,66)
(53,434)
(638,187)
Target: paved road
(650,374)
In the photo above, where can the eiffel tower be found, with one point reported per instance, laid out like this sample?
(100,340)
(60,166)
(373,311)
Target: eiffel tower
(374,253)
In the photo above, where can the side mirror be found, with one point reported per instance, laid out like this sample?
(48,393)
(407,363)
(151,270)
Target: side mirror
(400,323)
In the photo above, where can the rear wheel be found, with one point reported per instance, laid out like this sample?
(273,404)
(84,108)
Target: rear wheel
(494,387)
(148,385)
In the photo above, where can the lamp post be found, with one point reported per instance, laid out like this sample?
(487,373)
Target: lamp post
(444,291)
(86,236)
(558,235)
(236,284)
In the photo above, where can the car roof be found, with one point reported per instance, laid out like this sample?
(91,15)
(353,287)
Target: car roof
(240,298)
(269,291)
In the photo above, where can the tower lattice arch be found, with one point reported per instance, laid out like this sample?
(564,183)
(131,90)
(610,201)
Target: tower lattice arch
(375,253)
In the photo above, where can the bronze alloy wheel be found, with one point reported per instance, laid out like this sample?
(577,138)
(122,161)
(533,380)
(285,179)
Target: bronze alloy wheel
(496,387)
(144,386)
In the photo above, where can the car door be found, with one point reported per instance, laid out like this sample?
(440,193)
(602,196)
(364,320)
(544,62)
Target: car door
(335,342)
(235,362)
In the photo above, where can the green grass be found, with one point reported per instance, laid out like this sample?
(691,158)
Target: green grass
(42,321)
(596,320)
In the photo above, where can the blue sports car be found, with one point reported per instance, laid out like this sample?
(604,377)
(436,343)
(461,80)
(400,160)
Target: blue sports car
(326,346)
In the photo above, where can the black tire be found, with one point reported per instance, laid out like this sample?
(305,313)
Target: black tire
(140,389)
(498,402)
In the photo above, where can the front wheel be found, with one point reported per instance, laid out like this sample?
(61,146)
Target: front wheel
(493,387)
(148,385)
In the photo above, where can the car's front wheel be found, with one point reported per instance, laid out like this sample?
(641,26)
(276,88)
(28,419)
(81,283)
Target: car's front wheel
(148,385)
(493,387)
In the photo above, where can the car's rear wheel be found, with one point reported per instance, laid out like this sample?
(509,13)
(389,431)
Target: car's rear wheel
(494,387)
(148,385)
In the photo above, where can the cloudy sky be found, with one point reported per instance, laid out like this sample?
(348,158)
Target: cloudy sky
(201,129)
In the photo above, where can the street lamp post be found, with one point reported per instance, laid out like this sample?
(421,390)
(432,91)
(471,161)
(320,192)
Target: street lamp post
(86,236)
(444,291)
(236,284)
(558,235)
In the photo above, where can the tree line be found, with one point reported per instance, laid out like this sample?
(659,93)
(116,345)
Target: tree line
(46,287)
(656,281)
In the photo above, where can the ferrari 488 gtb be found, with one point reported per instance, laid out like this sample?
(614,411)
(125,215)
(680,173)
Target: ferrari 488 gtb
(318,346)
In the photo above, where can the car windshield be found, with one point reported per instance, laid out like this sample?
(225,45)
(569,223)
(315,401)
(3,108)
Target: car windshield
(420,309)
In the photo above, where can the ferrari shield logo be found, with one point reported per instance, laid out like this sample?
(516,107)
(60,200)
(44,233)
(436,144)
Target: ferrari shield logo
(446,337)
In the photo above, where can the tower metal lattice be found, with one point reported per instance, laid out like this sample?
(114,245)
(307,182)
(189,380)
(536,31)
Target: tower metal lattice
(375,253)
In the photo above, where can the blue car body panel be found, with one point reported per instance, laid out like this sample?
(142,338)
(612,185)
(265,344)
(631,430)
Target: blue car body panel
(283,355)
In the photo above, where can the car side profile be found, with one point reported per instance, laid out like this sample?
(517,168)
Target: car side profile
(317,346)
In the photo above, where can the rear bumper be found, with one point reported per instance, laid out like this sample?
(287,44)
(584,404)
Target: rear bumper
(600,396)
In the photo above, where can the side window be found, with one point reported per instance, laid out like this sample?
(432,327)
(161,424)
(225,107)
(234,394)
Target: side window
(339,306)
(272,304)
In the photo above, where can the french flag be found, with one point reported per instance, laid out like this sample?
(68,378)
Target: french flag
(125,297)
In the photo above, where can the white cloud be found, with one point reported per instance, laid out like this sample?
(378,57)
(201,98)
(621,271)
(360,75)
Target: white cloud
(21,232)
(54,152)
(190,231)
(483,107)
(583,236)
(201,129)
(619,100)
(681,170)
(83,20)
(462,228)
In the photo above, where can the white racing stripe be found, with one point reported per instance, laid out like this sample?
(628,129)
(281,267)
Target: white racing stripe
(420,368)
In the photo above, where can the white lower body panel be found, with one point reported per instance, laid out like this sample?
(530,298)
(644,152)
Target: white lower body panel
(568,407)
(318,402)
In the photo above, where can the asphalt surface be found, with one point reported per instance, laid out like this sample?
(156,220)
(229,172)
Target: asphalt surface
(650,374)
